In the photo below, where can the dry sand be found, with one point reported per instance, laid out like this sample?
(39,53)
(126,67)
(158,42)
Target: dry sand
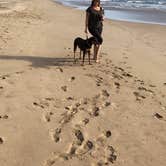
(56,113)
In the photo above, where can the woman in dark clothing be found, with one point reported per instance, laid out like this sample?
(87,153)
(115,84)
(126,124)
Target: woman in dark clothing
(94,23)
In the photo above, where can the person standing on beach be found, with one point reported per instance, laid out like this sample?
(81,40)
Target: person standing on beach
(94,24)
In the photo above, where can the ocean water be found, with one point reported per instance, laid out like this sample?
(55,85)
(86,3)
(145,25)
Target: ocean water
(144,11)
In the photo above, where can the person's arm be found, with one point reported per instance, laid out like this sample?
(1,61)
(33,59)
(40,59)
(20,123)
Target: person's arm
(86,22)
(102,9)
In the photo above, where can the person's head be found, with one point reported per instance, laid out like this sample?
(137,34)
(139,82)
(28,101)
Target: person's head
(95,3)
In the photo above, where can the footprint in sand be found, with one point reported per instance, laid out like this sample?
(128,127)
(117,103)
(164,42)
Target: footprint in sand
(102,138)
(158,116)
(123,62)
(101,163)
(128,67)
(69,115)
(85,121)
(119,68)
(64,88)
(95,111)
(72,79)
(105,93)
(80,137)
(107,103)
(117,76)
(70,98)
(20,72)
(49,162)
(144,89)
(125,57)
(47,116)
(152,86)
(99,81)
(140,81)
(85,101)
(4,77)
(88,145)
(60,69)
(112,156)
(138,96)
(72,150)
(4,117)
(1,140)
(127,74)
(117,84)
(38,105)
(49,98)
(108,133)
(56,134)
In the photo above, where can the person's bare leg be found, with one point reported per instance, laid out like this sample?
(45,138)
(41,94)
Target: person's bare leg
(94,52)
(97,53)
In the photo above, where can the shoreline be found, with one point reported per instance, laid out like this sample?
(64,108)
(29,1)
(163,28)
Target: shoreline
(121,14)
(57,113)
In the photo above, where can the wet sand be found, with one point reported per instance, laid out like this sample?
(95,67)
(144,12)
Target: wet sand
(57,113)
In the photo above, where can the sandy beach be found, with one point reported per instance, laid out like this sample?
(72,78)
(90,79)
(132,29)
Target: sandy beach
(57,113)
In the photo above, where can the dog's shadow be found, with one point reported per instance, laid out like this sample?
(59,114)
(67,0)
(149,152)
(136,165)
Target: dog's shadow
(42,62)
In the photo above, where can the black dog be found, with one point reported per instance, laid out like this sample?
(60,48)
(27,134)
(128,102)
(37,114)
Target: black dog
(84,46)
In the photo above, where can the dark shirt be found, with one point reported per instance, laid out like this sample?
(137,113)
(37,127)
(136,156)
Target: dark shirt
(95,17)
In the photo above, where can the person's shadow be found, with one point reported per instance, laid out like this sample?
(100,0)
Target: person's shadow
(41,61)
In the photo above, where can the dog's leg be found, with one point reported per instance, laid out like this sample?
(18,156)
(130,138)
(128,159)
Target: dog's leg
(80,53)
(89,56)
(75,48)
(84,52)
(74,58)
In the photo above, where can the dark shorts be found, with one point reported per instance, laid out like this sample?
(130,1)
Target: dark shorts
(96,32)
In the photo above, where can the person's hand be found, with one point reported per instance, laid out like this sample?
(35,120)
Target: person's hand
(103,18)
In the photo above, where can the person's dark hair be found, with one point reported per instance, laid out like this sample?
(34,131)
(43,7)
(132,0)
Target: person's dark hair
(95,1)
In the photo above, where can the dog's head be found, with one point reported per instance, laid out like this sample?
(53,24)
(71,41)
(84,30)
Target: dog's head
(90,41)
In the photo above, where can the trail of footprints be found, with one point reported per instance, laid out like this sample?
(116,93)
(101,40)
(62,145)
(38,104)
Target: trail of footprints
(82,147)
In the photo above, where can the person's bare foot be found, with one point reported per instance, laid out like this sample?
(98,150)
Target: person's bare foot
(97,61)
